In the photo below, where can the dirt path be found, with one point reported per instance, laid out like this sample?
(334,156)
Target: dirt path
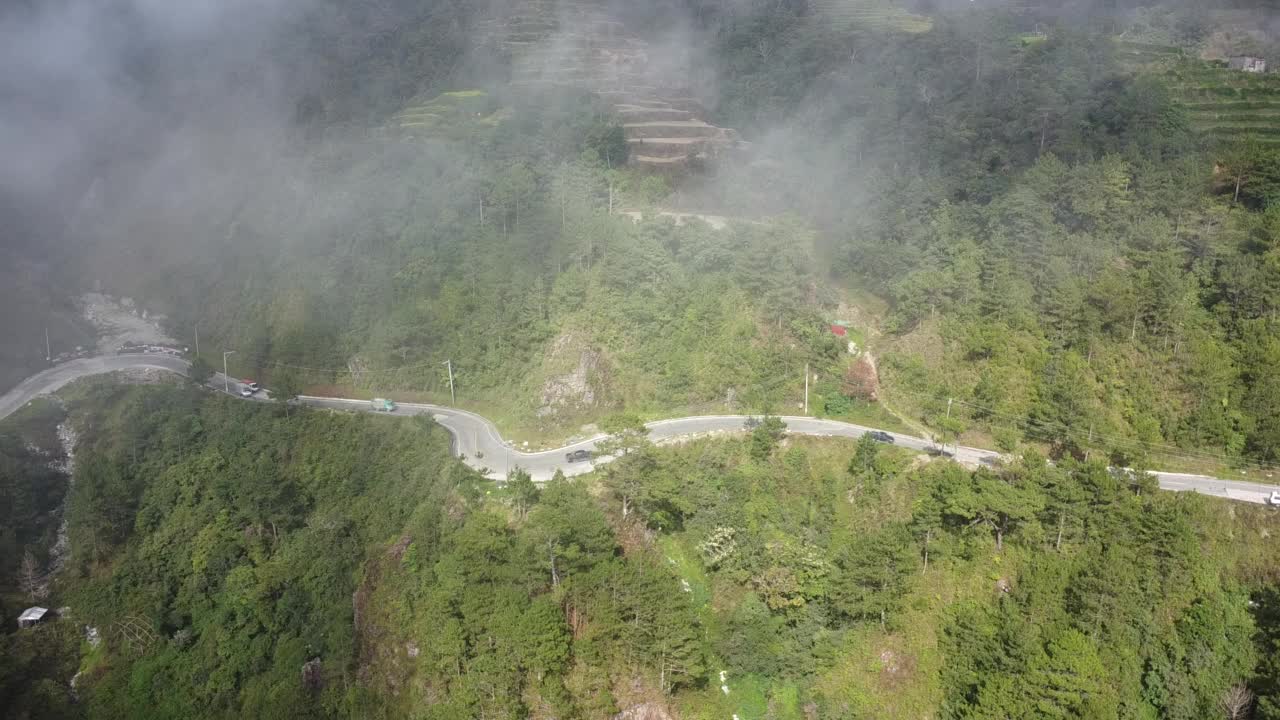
(870,323)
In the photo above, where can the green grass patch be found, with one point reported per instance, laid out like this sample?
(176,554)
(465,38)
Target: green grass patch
(1234,106)
(1262,116)
(682,556)
(874,15)
(1243,129)
(868,414)
(1155,48)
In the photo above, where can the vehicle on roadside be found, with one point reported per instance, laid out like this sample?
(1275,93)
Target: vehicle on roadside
(1274,500)
(382,405)
(881,436)
(578,455)
(246,392)
(253,386)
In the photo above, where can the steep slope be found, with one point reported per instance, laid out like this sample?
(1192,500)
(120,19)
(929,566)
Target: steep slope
(551,43)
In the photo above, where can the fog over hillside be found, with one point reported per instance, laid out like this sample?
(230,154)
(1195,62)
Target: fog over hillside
(640,359)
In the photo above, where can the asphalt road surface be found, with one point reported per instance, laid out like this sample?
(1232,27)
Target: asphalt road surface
(478,443)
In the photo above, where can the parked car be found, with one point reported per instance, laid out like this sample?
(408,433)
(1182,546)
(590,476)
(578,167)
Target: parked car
(246,392)
(1274,500)
(578,455)
(881,436)
(253,386)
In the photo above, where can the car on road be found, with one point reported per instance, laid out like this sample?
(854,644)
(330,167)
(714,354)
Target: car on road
(251,385)
(881,436)
(1274,500)
(246,392)
(578,455)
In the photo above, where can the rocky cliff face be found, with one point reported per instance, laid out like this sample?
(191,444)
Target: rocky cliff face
(575,43)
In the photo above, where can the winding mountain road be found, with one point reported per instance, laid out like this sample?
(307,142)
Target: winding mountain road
(478,443)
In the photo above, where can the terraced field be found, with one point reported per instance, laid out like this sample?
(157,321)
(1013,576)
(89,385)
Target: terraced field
(576,44)
(869,15)
(1226,103)
(1222,103)
(451,113)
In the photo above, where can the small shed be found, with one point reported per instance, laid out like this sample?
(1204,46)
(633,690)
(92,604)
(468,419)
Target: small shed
(32,616)
(1248,63)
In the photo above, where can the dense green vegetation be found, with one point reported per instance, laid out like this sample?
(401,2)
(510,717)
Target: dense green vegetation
(241,562)
(31,490)
(502,257)
(216,546)
(1077,251)
(1062,252)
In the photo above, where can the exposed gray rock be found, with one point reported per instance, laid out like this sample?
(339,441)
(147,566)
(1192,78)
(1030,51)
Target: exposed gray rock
(645,711)
(572,391)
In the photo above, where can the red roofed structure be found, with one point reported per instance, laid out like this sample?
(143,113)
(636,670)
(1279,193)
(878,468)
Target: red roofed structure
(839,330)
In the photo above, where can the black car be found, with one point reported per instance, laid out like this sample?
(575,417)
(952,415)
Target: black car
(881,436)
(578,455)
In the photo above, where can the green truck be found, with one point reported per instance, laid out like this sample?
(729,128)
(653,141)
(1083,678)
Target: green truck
(382,405)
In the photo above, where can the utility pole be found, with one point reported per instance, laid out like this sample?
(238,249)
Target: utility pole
(226,382)
(197,339)
(806,388)
(944,445)
(48,354)
(452,398)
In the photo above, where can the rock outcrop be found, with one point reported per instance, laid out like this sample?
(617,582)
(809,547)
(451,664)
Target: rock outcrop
(574,43)
(645,711)
(574,391)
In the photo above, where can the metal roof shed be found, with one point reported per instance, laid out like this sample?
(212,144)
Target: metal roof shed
(31,616)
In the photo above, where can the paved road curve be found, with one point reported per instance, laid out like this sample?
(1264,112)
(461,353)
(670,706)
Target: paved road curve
(478,442)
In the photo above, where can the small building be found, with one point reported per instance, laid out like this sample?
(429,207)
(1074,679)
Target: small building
(839,330)
(1248,63)
(32,616)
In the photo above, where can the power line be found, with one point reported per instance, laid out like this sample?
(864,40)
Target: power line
(1032,423)
(1028,423)
(347,370)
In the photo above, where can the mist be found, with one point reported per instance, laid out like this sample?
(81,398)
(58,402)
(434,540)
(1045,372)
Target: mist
(172,150)
(639,358)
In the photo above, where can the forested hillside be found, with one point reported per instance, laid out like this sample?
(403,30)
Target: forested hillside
(1061,250)
(1064,254)
(239,561)
(1047,241)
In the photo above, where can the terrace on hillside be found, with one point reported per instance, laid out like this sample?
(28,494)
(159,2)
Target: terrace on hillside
(1222,102)
(574,43)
